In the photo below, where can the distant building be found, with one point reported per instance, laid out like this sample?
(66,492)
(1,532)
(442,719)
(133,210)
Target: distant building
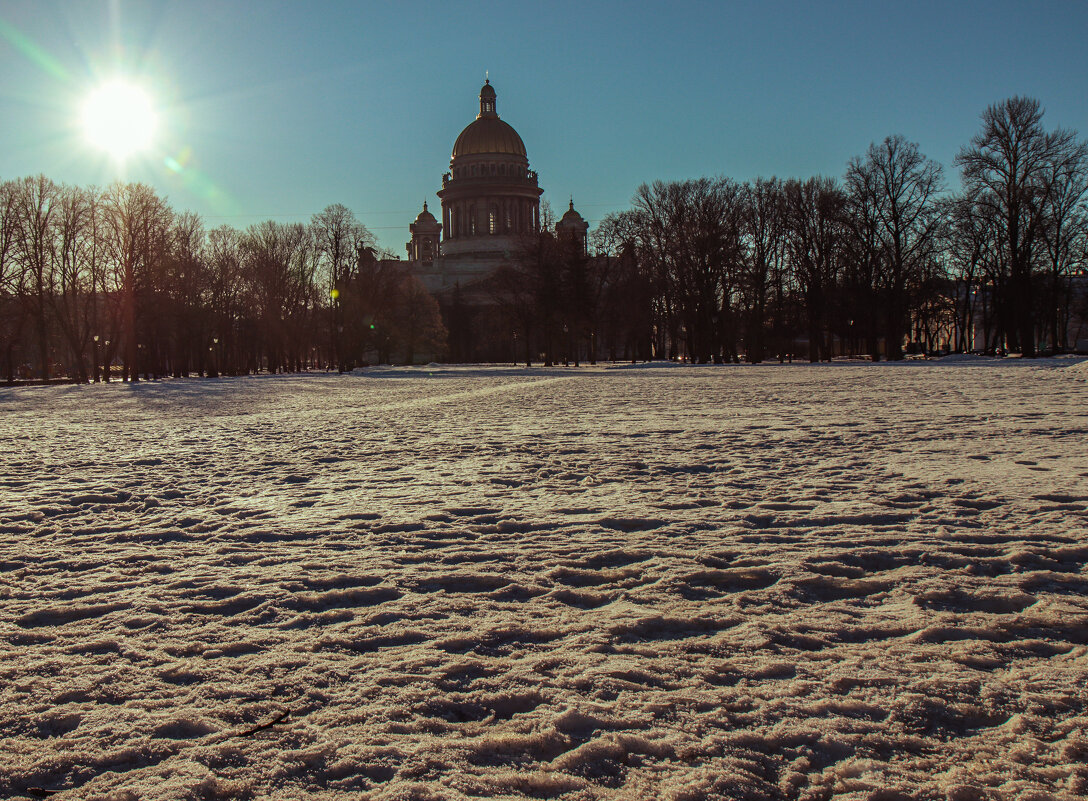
(489,197)
(490,203)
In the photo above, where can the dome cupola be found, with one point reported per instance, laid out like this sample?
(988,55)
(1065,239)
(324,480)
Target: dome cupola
(487,134)
(489,196)
(425,218)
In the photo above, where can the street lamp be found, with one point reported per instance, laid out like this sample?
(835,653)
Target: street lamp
(213,351)
(338,328)
(94,358)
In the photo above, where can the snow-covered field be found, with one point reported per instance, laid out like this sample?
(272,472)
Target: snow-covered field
(773,582)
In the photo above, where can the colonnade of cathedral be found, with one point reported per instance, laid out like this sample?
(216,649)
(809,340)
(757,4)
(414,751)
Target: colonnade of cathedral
(489,215)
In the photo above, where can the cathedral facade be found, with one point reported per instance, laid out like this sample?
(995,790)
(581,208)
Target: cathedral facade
(490,203)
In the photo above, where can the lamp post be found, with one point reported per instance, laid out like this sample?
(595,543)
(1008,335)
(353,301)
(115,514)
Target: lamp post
(94,357)
(337,327)
(339,336)
(106,364)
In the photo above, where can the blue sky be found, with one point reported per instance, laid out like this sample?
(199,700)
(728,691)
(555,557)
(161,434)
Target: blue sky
(277,109)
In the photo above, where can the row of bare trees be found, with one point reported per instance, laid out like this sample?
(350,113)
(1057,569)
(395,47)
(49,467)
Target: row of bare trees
(97,280)
(885,257)
(556,303)
(93,281)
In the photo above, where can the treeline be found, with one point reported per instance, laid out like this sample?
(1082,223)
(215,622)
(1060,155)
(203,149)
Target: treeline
(91,278)
(555,303)
(95,283)
(713,269)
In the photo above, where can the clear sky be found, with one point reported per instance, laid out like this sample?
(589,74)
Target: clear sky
(278,109)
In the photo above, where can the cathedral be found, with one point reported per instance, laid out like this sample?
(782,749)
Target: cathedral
(490,204)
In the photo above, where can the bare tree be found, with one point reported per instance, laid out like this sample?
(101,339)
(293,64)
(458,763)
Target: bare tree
(338,236)
(814,220)
(137,228)
(900,187)
(1009,167)
(967,247)
(190,344)
(538,276)
(11,275)
(417,321)
(624,294)
(226,288)
(864,258)
(691,232)
(765,238)
(281,264)
(72,297)
(34,209)
(1065,237)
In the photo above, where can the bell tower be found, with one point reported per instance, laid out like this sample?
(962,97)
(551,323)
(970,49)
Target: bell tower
(425,233)
(574,229)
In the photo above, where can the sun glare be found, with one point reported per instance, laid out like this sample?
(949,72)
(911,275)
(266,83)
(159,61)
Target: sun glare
(118,117)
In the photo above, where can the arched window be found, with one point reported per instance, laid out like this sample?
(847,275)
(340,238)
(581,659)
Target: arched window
(493,220)
(472,221)
(502,169)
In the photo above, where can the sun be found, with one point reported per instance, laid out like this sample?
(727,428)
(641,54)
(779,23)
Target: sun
(118,117)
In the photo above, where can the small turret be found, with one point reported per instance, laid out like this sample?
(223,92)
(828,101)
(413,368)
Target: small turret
(425,233)
(572,227)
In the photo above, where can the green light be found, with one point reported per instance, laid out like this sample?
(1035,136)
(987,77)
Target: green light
(30,49)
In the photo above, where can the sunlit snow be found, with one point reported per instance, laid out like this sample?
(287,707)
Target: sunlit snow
(759,582)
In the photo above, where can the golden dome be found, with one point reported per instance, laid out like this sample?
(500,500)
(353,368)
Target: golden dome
(488,135)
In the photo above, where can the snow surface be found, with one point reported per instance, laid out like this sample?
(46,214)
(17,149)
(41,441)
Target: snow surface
(758,582)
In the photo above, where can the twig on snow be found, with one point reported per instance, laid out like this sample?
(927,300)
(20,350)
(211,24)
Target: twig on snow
(282,716)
